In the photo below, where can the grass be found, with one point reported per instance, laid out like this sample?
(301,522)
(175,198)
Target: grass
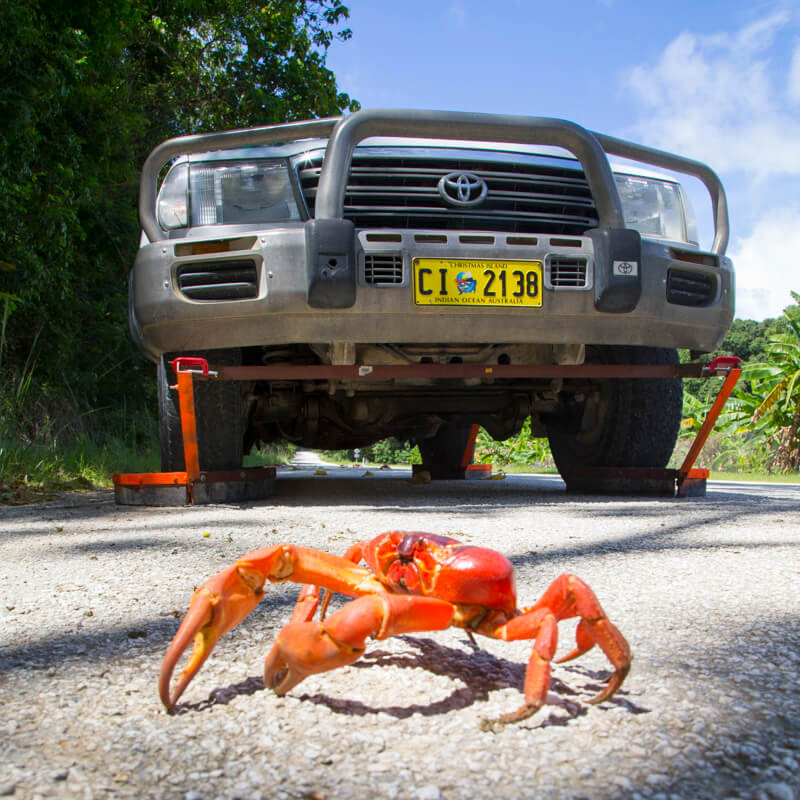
(525,469)
(33,472)
(340,457)
(273,454)
(714,475)
(754,477)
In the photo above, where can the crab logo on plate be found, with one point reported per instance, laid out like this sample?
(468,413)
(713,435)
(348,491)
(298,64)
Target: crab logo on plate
(466,283)
(463,189)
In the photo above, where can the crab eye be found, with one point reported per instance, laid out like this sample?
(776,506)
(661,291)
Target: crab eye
(407,546)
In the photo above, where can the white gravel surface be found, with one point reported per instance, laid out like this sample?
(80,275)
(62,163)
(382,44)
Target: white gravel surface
(705,590)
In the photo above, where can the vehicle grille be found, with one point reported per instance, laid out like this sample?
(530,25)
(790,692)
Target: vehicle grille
(685,288)
(567,272)
(383,269)
(401,192)
(235,279)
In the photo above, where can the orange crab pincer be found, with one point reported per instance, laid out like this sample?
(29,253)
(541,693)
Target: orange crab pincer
(414,582)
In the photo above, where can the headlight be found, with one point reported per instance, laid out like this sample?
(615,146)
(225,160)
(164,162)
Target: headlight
(227,193)
(173,199)
(655,208)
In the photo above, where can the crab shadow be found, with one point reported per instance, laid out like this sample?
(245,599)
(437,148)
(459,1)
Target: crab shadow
(478,671)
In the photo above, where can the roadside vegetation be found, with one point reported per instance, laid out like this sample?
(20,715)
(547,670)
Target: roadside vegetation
(389,451)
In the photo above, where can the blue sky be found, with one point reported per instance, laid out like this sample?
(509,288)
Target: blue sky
(715,81)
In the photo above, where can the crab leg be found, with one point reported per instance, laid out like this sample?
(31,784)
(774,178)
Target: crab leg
(540,625)
(305,648)
(224,600)
(355,554)
(568,596)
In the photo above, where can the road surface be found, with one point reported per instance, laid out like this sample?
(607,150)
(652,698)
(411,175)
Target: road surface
(705,590)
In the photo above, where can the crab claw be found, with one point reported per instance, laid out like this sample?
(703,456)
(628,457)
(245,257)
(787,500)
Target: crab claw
(220,604)
(303,649)
(307,648)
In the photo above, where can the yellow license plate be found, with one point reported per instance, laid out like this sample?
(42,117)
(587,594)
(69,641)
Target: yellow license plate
(462,282)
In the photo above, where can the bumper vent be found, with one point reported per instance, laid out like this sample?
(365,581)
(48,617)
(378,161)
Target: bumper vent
(219,280)
(383,269)
(685,288)
(568,272)
(398,189)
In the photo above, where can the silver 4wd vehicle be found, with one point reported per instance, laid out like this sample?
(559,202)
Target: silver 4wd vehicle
(419,241)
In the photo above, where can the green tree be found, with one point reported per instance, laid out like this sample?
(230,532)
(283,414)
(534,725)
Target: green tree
(746,339)
(87,89)
(220,64)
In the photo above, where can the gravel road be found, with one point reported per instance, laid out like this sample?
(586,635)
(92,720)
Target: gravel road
(705,590)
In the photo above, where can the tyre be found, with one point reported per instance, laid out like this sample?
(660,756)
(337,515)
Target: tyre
(628,422)
(218,414)
(444,452)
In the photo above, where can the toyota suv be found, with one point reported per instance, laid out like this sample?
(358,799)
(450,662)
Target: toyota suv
(412,273)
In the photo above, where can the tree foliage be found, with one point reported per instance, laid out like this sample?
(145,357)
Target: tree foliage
(747,339)
(225,72)
(770,402)
(521,449)
(759,430)
(87,89)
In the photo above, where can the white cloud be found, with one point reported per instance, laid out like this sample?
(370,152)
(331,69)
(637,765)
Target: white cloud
(457,14)
(793,88)
(721,99)
(732,99)
(767,264)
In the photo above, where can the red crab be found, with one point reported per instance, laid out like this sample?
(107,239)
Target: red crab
(415,582)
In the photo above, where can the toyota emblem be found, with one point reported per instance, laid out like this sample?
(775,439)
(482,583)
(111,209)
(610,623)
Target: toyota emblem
(463,189)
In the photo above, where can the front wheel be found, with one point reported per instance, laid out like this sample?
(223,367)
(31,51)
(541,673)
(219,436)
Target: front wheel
(622,422)
(218,414)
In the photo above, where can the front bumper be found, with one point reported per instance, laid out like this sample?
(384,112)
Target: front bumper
(653,312)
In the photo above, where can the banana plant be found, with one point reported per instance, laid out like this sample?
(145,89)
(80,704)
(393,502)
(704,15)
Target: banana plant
(770,403)
(775,384)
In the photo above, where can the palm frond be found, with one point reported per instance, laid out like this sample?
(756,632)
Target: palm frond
(759,371)
(770,400)
(788,350)
(793,323)
(791,400)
